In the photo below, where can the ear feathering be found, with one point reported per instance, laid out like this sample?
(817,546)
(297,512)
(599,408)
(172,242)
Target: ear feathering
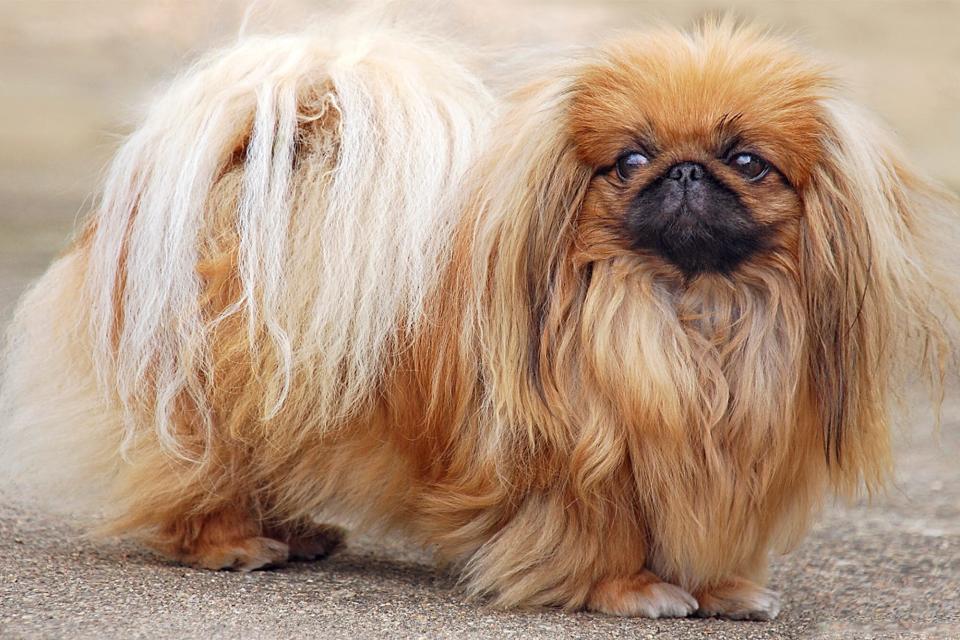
(882,294)
(524,211)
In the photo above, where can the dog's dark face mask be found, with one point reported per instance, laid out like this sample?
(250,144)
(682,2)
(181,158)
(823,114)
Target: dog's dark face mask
(696,168)
(689,208)
(690,218)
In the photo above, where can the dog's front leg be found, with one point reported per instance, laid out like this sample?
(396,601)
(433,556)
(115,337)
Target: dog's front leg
(642,595)
(556,550)
(738,599)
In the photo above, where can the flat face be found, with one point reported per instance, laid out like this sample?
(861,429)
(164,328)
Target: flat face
(699,147)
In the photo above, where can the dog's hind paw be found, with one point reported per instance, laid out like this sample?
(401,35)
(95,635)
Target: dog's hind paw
(315,542)
(241,555)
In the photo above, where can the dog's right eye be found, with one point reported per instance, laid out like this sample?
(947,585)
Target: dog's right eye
(628,163)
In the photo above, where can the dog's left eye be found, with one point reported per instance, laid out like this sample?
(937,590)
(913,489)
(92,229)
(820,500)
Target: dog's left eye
(749,165)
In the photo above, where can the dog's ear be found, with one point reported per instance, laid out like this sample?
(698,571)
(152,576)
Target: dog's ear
(533,188)
(878,287)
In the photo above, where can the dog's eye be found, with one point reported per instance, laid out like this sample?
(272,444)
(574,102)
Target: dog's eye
(749,165)
(628,162)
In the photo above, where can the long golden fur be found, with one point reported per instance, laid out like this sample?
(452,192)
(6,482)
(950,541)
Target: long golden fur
(331,277)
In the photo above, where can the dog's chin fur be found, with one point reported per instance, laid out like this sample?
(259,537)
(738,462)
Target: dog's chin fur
(312,289)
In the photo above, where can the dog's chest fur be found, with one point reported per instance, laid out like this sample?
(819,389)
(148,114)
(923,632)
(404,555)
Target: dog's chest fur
(713,408)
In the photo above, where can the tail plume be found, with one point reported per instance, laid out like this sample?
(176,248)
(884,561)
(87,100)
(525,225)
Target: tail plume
(327,169)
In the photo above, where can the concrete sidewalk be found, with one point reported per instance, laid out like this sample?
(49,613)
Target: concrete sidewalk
(886,570)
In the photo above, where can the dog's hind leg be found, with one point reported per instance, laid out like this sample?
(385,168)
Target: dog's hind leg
(235,538)
(310,540)
(229,539)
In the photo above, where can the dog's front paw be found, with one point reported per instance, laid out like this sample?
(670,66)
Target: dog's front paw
(643,595)
(739,599)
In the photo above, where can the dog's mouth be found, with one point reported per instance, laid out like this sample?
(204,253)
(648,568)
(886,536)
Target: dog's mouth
(694,221)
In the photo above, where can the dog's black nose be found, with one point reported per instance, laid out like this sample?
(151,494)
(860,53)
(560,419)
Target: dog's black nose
(685,172)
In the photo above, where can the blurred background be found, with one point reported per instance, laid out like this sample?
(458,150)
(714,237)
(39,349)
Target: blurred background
(76,74)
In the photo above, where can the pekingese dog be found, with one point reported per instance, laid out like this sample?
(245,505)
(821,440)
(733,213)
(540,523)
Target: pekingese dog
(602,344)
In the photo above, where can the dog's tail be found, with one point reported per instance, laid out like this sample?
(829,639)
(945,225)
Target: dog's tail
(287,203)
